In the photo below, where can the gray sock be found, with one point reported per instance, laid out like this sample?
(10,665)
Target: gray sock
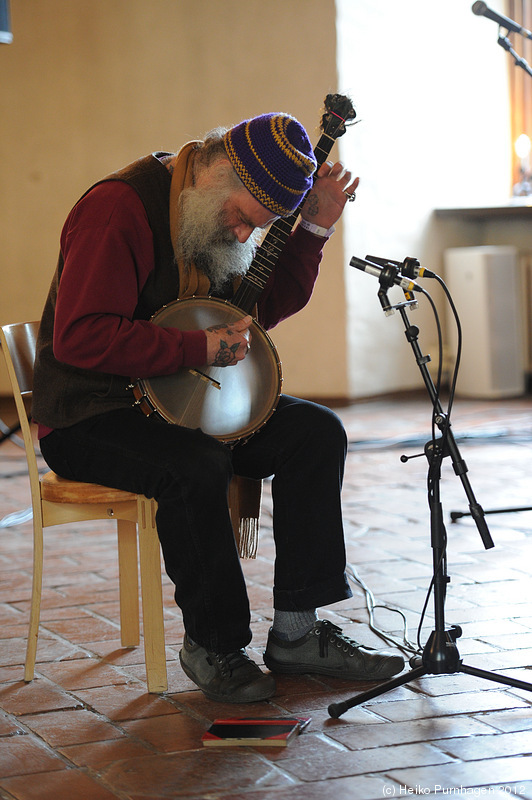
(292,625)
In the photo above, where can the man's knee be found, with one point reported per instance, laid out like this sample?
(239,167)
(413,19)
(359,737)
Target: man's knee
(325,426)
(208,462)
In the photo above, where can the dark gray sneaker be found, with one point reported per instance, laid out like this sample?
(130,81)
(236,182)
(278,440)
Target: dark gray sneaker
(326,651)
(231,678)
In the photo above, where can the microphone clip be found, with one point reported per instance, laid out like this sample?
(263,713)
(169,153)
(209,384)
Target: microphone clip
(387,278)
(391,273)
(384,301)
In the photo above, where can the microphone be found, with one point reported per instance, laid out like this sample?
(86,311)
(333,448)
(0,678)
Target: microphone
(482,10)
(409,268)
(387,275)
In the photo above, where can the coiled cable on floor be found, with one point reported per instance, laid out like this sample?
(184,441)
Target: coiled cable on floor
(403,643)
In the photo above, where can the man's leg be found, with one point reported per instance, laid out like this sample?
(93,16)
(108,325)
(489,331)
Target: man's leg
(304,447)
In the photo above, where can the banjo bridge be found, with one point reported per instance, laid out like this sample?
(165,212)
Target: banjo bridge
(201,375)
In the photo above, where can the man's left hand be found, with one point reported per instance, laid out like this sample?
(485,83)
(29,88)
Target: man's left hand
(327,198)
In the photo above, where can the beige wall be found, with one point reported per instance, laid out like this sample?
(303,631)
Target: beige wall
(89,85)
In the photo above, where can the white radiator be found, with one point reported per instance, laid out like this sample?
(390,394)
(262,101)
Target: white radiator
(525,260)
(486,284)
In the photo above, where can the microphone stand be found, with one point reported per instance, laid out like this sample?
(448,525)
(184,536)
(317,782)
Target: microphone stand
(440,654)
(505,43)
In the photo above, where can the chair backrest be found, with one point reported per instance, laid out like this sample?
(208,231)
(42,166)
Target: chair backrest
(21,340)
(18,346)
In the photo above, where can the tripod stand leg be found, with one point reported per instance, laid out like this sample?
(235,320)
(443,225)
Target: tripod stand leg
(459,514)
(6,432)
(492,676)
(337,709)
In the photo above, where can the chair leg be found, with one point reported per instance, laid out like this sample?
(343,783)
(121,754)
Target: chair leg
(129,583)
(36,592)
(152,599)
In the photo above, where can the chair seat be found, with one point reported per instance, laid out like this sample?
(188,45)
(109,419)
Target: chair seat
(61,490)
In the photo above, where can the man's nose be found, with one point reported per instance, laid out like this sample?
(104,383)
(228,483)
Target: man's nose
(242,232)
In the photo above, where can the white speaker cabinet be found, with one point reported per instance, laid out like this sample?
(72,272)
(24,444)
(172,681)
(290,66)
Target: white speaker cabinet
(485,285)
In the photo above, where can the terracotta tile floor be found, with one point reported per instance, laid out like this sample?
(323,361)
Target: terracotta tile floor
(86,727)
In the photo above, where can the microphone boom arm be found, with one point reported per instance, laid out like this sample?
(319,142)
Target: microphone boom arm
(505,43)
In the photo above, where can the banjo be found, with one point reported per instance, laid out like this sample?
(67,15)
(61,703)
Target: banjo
(231,404)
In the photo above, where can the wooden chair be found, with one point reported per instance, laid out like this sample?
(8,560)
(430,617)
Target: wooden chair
(56,501)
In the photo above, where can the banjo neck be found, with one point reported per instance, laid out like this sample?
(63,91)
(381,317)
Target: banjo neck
(338,109)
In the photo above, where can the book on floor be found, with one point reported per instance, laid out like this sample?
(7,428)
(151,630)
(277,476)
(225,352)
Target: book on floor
(254,731)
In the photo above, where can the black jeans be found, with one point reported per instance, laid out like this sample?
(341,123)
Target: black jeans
(303,448)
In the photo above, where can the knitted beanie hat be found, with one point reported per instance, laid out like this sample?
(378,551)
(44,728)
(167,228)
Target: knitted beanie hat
(273,158)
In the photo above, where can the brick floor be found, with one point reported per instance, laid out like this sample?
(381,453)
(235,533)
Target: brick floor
(87,728)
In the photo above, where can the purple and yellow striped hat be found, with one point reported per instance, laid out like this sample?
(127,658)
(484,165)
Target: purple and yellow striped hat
(273,158)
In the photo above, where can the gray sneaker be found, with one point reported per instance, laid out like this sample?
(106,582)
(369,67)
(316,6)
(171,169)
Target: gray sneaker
(231,678)
(326,651)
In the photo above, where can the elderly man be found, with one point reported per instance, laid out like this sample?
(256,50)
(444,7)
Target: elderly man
(170,226)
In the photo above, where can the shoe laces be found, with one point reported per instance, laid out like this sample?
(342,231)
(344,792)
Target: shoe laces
(229,662)
(332,634)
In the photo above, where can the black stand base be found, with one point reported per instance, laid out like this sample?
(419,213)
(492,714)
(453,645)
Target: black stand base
(440,657)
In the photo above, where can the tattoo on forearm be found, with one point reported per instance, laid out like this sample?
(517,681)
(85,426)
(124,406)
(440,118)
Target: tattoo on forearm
(312,205)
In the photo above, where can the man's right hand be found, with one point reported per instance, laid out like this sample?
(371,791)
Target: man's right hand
(228,343)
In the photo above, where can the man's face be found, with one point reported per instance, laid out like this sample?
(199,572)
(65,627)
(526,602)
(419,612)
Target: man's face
(242,214)
(220,224)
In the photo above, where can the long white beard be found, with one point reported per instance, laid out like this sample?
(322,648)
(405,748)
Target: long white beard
(205,239)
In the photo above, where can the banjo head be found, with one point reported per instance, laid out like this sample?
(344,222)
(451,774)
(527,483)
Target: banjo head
(229,403)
